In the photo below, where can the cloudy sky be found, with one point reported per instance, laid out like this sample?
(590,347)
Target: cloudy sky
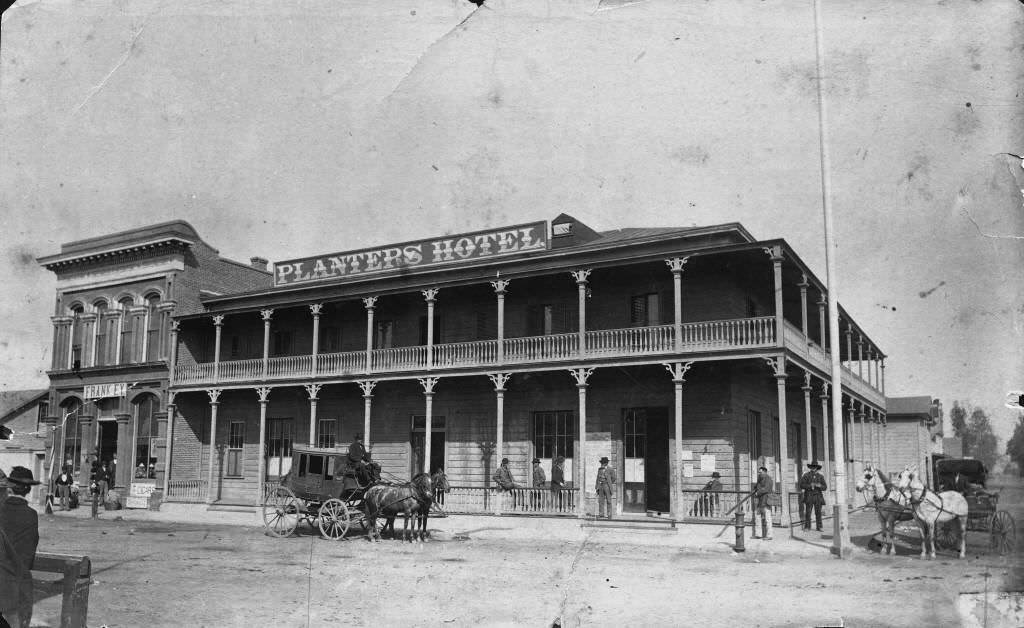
(291,129)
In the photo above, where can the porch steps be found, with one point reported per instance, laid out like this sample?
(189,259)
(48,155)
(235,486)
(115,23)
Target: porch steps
(648,524)
(215,507)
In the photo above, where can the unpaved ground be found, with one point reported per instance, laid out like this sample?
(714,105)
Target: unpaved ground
(181,574)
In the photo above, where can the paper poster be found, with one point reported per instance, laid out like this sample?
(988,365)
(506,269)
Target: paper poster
(687,454)
(707,462)
(633,470)
(687,470)
(599,444)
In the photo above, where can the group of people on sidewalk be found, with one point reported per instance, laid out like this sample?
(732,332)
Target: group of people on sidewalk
(19,539)
(812,498)
(604,485)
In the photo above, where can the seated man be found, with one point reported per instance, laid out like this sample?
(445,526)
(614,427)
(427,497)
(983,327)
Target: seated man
(356,454)
(372,469)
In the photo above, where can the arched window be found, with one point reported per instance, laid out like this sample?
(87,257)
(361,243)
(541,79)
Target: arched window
(71,435)
(102,333)
(126,330)
(153,328)
(76,336)
(145,437)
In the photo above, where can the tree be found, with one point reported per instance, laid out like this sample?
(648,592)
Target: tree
(958,417)
(1015,446)
(984,443)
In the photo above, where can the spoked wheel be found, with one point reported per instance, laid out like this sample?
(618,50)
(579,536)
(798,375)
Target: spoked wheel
(333,519)
(281,512)
(947,535)
(1003,531)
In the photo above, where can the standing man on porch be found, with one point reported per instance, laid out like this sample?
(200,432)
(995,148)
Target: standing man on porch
(539,480)
(812,484)
(605,486)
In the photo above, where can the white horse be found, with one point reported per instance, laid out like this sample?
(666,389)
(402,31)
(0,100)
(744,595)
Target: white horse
(889,503)
(931,509)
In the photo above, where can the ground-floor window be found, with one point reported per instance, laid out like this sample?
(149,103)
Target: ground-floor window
(72,436)
(754,434)
(279,447)
(326,433)
(145,437)
(235,456)
(553,434)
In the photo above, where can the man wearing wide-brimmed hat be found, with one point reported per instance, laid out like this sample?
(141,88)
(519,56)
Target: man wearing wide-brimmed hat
(812,484)
(605,488)
(19,538)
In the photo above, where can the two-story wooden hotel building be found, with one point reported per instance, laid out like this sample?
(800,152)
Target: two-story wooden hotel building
(675,352)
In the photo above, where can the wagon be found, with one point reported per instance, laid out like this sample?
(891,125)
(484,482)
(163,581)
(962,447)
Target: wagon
(983,514)
(320,488)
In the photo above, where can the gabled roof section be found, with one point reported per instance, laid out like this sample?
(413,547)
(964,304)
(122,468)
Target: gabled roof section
(912,406)
(14,402)
(173,233)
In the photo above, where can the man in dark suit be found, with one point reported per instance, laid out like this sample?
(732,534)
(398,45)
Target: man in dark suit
(19,538)
(812,484)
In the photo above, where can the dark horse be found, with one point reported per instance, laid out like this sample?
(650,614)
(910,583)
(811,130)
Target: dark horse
(389,501)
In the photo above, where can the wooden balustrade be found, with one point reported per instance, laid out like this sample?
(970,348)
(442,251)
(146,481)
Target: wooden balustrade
(186,491)
(480,500)
(193,373)
(399,358)
(720,506)
(341,363)
(238,370)
(631,340)
(541,348)
(477,353)
(290,366)
(729,334)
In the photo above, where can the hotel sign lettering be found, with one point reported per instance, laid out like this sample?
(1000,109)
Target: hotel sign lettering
(100,391)
(443,250)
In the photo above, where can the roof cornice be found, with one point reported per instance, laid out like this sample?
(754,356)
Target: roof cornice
(62,260)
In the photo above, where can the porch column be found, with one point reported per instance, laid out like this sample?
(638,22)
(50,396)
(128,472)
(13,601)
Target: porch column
(499,289)
(123,471)
(263,393)
(775,253)
(823,331)
(214,394)
(581,376)
(824,436)
(428,391)
(677,370)
(860,356)
(863,449)
(849,345)
(581,285)
(169,444)
(878,379)
(315,310)
(430,296)
(808,438)
(218,324)
(778,365)
(803,305)
(369,302)
(676,265)
(881,366)
(266,314)
(367,388)
(499,380)
(89,327)
(885,441)
(853,446)
(174,353)
(312,390)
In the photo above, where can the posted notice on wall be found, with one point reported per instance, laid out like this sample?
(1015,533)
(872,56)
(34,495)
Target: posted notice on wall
(707,462)
(138,495)
(687,470)
(687,454)
(599,444)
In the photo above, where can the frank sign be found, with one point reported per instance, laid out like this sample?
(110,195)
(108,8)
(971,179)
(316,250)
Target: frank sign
(443,250)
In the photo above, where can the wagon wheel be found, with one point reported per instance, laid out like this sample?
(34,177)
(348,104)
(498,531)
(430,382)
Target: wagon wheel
(947,535)
(281,512)
(333,519)
(1003,532)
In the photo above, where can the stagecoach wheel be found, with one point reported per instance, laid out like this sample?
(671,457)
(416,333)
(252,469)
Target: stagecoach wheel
(281,512)
(947,535)
(333,519)
(1004,533)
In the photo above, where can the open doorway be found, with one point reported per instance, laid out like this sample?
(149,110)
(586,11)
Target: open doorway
(645,477)
(418,440)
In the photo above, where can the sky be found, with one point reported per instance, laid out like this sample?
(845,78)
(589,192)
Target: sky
(292,129)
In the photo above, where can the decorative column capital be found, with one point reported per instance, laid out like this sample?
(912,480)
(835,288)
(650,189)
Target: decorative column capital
(170,398)
(367,386)
(581,376)
(778,366)
(167,306)
(263,392)
(822,300)
(824,390)
(175,327)
(580,275)
(849,329)
(61,320)
(315,309)
(677,370)
(428,384)
(369,302)
(122,418)
(214,394)
(218,320)
(266,314)
(803,285)
(676,264)
(313,390)
(430,295)
(773,252)
(499,380)
(500,286)
(807,383)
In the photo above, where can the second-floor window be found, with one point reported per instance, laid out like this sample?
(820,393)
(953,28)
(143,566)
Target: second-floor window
(547,319)
(330,339)
(282,342)
(154,328)
(102,333)
(437,330)
(127,327)
(77,334)
(645,310)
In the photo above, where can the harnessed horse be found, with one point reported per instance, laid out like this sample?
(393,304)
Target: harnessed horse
(889,503)
(931,508)
(389,501)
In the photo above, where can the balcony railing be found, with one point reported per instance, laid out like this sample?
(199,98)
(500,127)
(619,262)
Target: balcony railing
(724,335)
(480,500)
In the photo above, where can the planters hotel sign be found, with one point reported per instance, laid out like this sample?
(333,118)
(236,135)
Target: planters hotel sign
(445,250)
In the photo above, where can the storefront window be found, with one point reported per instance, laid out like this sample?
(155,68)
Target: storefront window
(72,435)
(553,434)
(145,437)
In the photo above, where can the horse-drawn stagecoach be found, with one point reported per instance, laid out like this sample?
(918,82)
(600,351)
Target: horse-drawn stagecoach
(333,492)
(969,477)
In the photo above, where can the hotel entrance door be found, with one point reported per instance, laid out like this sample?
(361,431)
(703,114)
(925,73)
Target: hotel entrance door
(645,478)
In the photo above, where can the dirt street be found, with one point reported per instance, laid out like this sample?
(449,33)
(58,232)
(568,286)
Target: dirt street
(152,573)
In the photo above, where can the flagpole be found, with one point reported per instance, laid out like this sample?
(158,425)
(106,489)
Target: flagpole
(841,536)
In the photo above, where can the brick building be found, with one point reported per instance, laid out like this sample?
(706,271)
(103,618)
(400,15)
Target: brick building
(116,296)
(23,433)
(675,352)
